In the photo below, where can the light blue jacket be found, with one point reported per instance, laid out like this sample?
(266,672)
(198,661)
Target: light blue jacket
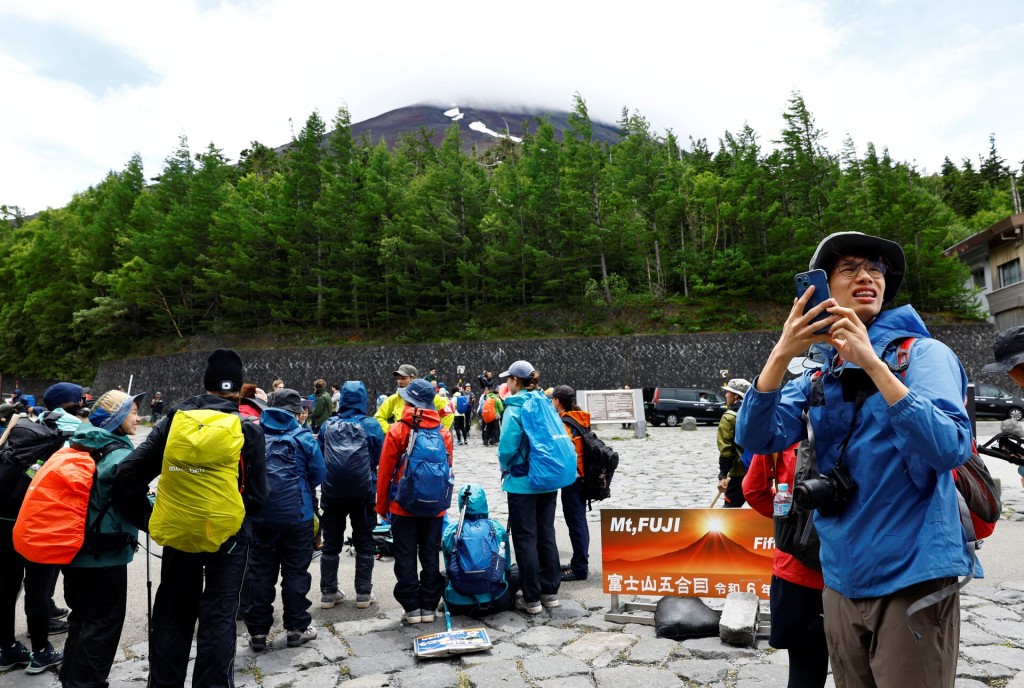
(902,525)
(513,447)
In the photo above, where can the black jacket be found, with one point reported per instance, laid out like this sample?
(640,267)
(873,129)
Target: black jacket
(139,468)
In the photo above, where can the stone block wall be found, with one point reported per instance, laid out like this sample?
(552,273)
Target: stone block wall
(597,363)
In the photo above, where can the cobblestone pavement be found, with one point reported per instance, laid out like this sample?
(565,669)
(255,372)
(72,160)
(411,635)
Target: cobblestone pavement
(572,646)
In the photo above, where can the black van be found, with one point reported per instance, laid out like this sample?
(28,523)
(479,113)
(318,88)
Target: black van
(669,405)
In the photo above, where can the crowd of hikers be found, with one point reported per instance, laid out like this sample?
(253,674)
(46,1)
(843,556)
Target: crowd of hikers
(240,487)
(889,502)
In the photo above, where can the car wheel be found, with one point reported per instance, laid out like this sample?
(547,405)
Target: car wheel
(1015,413)
(671,420)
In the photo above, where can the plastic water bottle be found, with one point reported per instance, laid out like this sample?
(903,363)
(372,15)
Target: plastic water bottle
(783,500)
(31,470)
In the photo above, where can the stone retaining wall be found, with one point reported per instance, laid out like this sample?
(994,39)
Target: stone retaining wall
(597,363)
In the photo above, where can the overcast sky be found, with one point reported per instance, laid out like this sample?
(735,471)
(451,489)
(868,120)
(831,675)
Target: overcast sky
(87,84)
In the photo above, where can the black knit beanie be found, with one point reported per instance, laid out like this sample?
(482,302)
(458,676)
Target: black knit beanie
(224,371)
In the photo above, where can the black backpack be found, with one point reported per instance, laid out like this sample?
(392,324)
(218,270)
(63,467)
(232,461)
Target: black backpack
(27,444)
(599,463)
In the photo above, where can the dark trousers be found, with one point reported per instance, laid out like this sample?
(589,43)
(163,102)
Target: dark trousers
(491,431)
(199,587)
(38,579)
(798,627)
(574,509)
(288,550)
(417,538)
(461,426)
(363,519)
(531,519)
(98,600)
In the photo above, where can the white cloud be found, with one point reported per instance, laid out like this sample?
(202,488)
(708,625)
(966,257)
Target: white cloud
(926,79)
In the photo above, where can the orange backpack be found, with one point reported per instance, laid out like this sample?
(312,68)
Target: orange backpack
(489,412)
(51,523)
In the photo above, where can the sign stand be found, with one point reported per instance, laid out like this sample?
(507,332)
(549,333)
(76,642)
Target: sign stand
(621,612)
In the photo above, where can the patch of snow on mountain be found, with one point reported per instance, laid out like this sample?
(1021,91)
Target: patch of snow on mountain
(459,116)
(482,128)
(453,112)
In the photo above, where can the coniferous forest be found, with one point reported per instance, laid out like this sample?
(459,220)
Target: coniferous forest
(340,239)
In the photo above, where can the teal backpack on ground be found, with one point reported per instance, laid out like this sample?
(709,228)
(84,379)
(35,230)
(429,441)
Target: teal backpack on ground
(477,566)
(426,483)
(550,455)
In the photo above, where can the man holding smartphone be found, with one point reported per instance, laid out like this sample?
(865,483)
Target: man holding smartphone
(886,441)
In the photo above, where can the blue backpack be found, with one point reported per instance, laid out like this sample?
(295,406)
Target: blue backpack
(462,403)
(426,483)
(477,566)
(284,480)
(550,456)
(347,457)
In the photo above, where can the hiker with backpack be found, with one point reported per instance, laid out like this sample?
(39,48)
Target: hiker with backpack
(96,580)
(574,504)
(414,486)
(25,447)
(351,442)
(886,442)
(795,597)
(283,529)
(490,410)
(730,465)
(393,407)
(537,459)
(213,474)
(477,559)
(462,404)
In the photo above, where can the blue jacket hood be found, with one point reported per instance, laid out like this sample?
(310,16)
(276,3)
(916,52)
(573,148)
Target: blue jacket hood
(353,399)
(278,421)
(476,502)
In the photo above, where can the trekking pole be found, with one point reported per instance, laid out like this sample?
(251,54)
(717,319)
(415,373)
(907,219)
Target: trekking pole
(715,500)
(462,514)
(149,592)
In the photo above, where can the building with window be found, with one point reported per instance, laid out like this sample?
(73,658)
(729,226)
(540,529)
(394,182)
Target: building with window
(994,256)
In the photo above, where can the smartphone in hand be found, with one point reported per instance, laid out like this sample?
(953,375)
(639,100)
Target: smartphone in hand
(819,280)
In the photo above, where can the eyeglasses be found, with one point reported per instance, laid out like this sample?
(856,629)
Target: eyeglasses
(852,268)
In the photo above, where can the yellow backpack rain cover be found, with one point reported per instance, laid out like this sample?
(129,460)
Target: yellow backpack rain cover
(198,505)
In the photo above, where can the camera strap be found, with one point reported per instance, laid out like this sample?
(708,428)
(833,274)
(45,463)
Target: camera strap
(862,396)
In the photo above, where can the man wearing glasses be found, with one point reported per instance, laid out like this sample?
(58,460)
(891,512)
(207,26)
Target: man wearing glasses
(887,436)
(391,410)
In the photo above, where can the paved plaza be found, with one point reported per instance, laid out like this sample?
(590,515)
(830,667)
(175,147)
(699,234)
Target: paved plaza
(572,646)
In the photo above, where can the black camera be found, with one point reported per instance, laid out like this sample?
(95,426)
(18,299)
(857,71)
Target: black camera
(829,494)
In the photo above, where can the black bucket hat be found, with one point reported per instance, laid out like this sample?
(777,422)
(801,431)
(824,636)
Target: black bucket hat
(1008,348)
(865,246)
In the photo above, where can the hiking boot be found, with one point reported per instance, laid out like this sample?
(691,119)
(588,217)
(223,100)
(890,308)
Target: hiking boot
(57,626)
(569,575)
(296,638)
(528,607)
(413,616)
(44,659)
(58,612)
(329,599)
(549,600)
(16,655)
(426,615)
(364,601)
(258,643)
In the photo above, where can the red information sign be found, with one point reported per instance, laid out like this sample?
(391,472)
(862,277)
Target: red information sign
(686,552)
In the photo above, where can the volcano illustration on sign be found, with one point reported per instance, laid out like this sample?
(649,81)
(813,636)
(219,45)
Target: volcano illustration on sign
(712,553)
